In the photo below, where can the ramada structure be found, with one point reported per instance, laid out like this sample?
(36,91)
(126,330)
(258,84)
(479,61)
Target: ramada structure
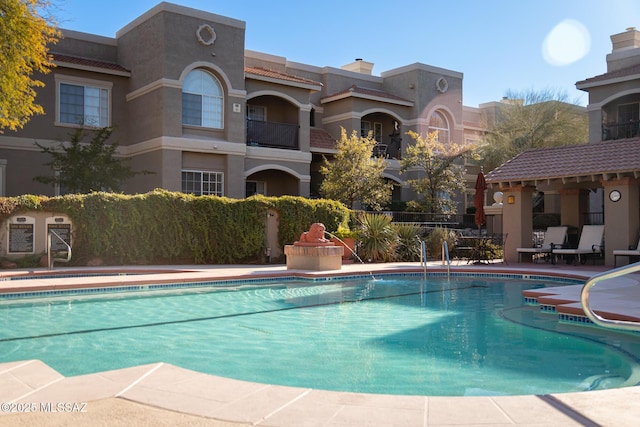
(601,176)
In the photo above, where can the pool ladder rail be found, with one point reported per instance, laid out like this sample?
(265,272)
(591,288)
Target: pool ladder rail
(423,257)
(445,256)
(50,257)
(596,318)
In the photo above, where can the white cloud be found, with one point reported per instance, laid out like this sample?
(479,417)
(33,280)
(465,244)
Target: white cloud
(566,43)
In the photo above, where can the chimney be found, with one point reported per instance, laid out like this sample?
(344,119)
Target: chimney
(626,50)
(359,66)
(630,39)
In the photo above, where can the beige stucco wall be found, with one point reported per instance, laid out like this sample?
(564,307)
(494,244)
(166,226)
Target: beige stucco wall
(39,221)
(517,220)
(622,227)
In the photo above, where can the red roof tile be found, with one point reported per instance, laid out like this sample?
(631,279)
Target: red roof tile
(625,72)
(368,91)
(58,57)
(321,139)
(263,72)
(606,159)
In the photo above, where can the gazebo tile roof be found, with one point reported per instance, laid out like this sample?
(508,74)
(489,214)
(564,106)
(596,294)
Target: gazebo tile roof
(618,157)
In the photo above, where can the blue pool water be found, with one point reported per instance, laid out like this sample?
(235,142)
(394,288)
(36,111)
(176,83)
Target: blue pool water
(466,336)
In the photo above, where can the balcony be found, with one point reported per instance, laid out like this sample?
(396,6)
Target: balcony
(273,135)
(621,130)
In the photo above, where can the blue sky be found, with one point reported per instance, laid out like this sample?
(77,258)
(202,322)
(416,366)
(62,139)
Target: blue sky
(499,45)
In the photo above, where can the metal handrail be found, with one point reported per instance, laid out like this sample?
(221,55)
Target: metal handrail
(445,253)
(423,257)
(50,259)
(596,318)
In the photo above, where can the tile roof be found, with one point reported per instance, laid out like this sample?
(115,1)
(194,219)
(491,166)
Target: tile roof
(571,163)
(357,90)
(625,72)
(321,139)
(263,72)
(75,60)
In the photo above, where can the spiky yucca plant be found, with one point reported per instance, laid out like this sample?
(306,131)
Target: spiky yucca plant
(408,248)
(377,239)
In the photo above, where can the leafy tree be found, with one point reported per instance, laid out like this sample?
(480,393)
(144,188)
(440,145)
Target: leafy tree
(529,120)
(436,171)
(355,175)
(86,167)
(24,39)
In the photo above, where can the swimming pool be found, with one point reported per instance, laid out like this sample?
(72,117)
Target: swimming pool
(397,335)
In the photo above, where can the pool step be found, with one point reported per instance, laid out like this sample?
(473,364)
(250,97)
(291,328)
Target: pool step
(564,301)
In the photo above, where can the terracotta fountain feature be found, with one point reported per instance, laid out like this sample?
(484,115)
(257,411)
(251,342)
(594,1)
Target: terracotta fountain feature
(313,251)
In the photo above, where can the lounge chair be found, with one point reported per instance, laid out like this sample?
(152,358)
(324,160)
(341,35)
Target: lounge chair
(590,243)
(626,252)
(554,237)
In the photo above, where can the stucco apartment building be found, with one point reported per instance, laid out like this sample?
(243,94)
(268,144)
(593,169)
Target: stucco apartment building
(188,102)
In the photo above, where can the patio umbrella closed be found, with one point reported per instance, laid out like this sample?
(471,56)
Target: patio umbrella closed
(478,201)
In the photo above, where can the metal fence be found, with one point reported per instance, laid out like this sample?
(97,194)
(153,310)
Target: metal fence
(541,221)
(275,135)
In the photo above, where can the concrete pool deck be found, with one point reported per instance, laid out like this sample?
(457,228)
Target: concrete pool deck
(163,394)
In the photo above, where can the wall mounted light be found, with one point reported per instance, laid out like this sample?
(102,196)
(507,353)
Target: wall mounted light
(511,199)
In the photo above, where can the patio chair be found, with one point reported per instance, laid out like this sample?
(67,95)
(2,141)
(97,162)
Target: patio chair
(380,150)
(590,243)
(626,252)
(500,240)
(555,237)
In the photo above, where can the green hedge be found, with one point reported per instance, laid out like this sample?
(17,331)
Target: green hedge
(165,227)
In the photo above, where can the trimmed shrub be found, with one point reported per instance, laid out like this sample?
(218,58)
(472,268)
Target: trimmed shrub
(169,227)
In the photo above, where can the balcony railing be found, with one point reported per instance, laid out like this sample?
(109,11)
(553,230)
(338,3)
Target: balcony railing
(621,130)
(429,219)
(274,135)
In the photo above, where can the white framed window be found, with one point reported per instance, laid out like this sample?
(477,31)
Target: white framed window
(438,123)
(202,100)
(377,131)
(202,183)
(83,102)
(365,128)
(257,113)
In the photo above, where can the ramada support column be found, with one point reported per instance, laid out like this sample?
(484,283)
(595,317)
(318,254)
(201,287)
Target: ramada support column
(517,219)
(573,202)
(622,222)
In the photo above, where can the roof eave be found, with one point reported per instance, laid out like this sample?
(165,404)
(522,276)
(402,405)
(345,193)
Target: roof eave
(300,85)
(587,84)
(367,97)
(564,180)
(101,70)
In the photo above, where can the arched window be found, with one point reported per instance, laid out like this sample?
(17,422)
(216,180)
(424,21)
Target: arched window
(202,100)
(438,122)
